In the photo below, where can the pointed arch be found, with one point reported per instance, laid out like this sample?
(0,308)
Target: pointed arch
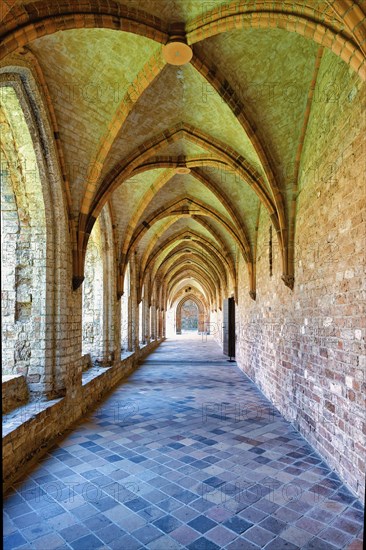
(201,312)
(38,167)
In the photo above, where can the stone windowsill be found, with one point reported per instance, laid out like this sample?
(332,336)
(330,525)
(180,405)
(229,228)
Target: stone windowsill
(7,377)
(15,418)
(14,392)
(93,373)
(126,355)
(21,415)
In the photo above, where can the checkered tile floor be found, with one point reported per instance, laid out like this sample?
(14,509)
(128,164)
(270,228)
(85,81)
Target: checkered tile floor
(187,453)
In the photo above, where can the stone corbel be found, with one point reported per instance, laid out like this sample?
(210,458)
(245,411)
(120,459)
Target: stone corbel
(120,282)
(77,281)
(78,260)
(289,281)
(253,282)
(252,294)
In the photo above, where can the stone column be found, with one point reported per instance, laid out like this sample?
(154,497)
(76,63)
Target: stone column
(146,316)
(134,305)
(153,322)
(146,311)
(116,354)
(160,323)
(178,320)
(201,321)
(163,324)
(156,322)
(142,320)
(130,325)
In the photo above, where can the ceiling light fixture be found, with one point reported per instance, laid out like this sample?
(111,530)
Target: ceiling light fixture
(182,170)
(177,51)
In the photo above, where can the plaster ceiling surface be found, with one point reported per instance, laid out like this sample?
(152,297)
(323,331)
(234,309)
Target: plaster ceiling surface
(127,198)
(87,72)
(154,232)
(186,286)
(180,186)
(337,93)
(181,244)
(186,10)
(184,148)
(178,230)
(174,10)
(243,198)
(275,90)
(180,95)
(245,114)
(189,225)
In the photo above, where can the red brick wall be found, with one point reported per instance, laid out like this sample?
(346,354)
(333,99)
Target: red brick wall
(305,348)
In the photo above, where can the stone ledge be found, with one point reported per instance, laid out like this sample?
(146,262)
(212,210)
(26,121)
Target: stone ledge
(29,431)
(22,416)
(14,392)
(92,373)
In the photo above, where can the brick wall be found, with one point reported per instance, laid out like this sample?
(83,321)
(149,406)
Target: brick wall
(14,392)
(305,348)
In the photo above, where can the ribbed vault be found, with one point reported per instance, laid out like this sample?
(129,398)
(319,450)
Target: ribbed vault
(185,157)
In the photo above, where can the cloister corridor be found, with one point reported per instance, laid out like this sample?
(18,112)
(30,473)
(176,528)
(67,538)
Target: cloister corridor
(186,453)
(183,260)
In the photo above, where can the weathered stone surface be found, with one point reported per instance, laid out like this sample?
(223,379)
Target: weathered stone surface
(306,349)
(28,434)
(14,392)
(129,182)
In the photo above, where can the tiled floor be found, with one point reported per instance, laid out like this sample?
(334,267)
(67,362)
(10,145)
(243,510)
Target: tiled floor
(186,454)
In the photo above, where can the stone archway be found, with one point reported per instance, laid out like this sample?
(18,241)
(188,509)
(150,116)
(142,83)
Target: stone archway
(201,313)
(189,316)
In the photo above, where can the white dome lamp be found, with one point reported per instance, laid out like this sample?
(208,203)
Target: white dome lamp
(177,51)
(182,167)
(182,170)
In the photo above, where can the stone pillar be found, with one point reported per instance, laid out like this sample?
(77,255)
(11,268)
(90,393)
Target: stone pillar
(129,326)
(153,322)
(134,305)
(116,353)
(146,310)
(142,320)
(207,322)
(146,317)
(201,322)
(72,380)
(178,320)
(159,323)
(111,329)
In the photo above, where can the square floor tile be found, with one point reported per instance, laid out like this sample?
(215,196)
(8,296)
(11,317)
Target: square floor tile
(221,536)
(203,544)
(147,533)
(167,523)
(202,524)
(184,534)
(237,524)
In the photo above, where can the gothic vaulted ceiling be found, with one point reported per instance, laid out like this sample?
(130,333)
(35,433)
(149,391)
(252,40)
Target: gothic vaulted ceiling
(184,156)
